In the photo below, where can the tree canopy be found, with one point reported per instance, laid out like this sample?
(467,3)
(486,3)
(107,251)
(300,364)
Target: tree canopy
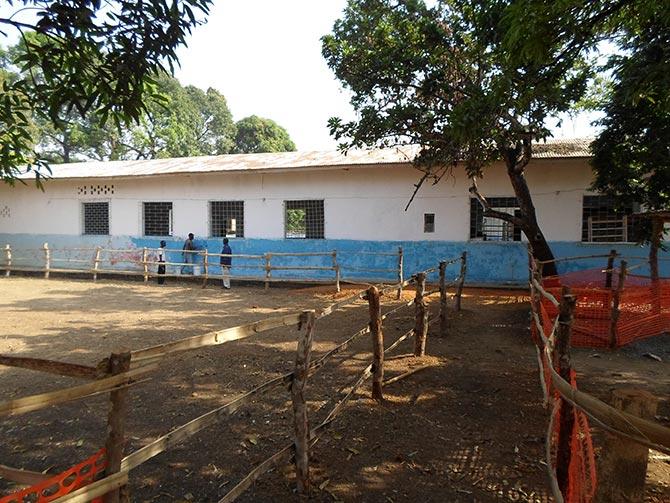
(256,134)
(440,76)
(91,57)
(632,152)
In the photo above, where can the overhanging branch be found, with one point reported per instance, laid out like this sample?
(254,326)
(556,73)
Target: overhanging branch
(490,212)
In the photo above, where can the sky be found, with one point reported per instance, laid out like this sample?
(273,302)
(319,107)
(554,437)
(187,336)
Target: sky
(265,57)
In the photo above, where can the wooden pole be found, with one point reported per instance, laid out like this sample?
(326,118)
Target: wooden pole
(400,273)
(145,265)
(116,422)
(301,422)
(337,271)
(563,367)
(461,279)
(268,270)
(47,260)
(443,299)
(420,316)
(377,342)
(610,267)
(656,237)
(8,255)
(616,298)
(96,263)
(623,463)
(205,267)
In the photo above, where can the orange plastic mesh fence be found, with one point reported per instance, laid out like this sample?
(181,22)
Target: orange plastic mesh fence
(69,481)
(582,469)
(644,308)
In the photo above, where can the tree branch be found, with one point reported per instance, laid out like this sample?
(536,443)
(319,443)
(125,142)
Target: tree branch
(490,212)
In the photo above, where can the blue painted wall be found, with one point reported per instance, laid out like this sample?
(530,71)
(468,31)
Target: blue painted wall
(496,263)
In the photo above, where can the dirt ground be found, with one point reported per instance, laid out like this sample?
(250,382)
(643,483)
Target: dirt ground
(468,429)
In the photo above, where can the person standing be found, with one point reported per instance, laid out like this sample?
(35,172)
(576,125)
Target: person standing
(161,263)
(188,255)
(226,262)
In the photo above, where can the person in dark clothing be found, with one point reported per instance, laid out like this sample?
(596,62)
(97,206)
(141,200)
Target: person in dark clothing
(226,262)
(188,255)
(161,263)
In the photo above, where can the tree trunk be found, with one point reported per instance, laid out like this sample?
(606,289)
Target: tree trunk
(538,243)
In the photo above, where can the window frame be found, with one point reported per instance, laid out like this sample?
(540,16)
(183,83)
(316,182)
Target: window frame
(170,218)
(320,212)
(83,216)
(629,225)
(429,226)
(476,211)
(241,225)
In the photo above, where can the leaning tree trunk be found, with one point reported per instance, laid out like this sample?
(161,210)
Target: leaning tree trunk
(538,243)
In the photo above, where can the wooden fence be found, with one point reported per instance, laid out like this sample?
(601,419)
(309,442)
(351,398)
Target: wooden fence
(567,426)
(202,264)
(116,373)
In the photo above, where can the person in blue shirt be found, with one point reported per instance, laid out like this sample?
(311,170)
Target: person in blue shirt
(226,262)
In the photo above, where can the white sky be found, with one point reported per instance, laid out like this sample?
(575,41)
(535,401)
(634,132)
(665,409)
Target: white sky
(265,57)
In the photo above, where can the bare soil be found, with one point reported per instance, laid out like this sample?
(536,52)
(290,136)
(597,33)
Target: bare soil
(468,429)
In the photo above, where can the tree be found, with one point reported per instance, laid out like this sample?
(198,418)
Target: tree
(189,122)
(631,155)
(95,58)
(256,134)
(440,77)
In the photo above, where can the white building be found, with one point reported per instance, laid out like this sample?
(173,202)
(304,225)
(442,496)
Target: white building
(316,201)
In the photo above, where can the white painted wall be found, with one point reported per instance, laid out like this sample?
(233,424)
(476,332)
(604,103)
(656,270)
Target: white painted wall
(360,203)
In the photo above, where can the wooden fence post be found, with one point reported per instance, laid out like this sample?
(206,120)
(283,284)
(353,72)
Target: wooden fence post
(337,271)
(461,279)
(657,227)
(420,316)
(400,274)
(145,265)
(205,267)
(96,263)
(563,367)
(623,463)
(301,422)
(610,266)
(443,299)
(616,298)
(377,342)
(116,422)
(47,260)
(268,270)
(8,255)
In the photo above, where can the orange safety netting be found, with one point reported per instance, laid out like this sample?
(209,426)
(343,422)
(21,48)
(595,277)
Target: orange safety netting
(70,480)
(581,473)
(644,307)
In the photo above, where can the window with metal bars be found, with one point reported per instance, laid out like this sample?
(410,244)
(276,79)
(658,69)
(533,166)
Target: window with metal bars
(304,219)
(96,218)
(157,219)
(603,222)
(493,229)
(226,219)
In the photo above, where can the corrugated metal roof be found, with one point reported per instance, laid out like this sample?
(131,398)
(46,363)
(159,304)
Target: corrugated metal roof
(561,148)
(279,161)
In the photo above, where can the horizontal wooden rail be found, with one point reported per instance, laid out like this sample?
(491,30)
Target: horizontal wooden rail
(213,338)
(366,269)
(36,402)
(23,477)
(179,434)
(95,489)
(52,367)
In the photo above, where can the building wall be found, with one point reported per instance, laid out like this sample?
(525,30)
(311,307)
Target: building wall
(364,211)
